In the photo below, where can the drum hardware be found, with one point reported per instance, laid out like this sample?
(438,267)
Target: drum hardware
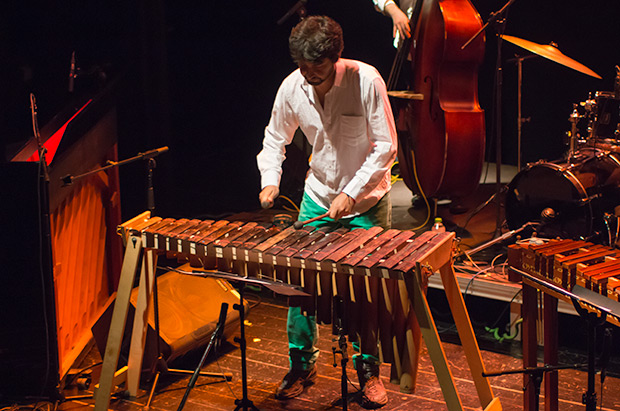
(605,115)
(579,192)
(520,120)
(552,53)
(573,134)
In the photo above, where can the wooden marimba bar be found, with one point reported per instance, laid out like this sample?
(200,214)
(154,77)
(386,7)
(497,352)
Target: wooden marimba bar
(567,263)
(373,252)
(324,263)
(563,263)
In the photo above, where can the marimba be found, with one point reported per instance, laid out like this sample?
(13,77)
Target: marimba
(562,264)
(368,267)
(567,263)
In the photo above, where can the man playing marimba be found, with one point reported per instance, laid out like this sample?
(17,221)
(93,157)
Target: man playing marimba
(342,108)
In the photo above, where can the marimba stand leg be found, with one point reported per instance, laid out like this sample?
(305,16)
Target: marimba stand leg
(135,255)
(110,377)
(466,334)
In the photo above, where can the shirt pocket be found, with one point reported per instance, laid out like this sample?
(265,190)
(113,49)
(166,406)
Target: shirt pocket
(352,129)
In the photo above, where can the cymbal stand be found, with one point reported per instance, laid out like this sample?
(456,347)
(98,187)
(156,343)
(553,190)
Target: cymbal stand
(498,20)
(520,120)
(573,119)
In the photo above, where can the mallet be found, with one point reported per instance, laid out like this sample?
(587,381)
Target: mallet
(298,224)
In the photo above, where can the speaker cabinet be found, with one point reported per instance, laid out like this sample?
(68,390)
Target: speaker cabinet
(189,309)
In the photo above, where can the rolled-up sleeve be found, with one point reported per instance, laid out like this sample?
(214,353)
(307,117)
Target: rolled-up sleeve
(380,4)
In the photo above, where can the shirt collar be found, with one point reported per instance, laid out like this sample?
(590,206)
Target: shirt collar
(340,68)
(338,81)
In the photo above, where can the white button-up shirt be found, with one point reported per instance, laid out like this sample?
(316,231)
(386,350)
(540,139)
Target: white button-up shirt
(353,135)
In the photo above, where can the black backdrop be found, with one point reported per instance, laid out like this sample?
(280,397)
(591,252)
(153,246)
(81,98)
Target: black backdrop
(200,78)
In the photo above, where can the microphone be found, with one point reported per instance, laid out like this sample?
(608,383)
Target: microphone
(67,180)
(153,153)
(339,319)
(72,75)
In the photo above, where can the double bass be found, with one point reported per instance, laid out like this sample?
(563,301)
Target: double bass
(442,128)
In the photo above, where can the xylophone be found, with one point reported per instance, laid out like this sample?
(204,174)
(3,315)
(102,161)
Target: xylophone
(359,265)
(567,263)
(554,267)
(374,271)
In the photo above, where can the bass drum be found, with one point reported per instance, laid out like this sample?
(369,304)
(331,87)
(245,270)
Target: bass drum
(568,199)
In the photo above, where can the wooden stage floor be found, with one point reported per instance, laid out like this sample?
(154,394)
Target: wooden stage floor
(267,362)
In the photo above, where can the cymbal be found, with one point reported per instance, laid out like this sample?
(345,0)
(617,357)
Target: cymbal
(552,53)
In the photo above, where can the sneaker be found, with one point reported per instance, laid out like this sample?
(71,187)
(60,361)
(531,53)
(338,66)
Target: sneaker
(374,395)
(294,382)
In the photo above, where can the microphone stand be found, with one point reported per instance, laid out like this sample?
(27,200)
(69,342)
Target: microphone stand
(70,179)
(160,364)
(498,20)
(45,237)
(496,240)
(342,350)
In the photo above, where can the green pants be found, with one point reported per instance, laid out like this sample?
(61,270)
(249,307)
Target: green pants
(301,329)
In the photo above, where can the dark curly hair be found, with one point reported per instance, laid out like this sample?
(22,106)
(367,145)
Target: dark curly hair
(315,38)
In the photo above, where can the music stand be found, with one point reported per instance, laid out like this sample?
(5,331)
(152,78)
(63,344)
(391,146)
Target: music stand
(288,290)
(216,338)
(536,375)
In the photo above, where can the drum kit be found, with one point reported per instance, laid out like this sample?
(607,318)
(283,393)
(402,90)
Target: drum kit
(579,195)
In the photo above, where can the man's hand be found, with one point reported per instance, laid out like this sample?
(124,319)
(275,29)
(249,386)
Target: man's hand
(399,20)
(268,195)
(341,206)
